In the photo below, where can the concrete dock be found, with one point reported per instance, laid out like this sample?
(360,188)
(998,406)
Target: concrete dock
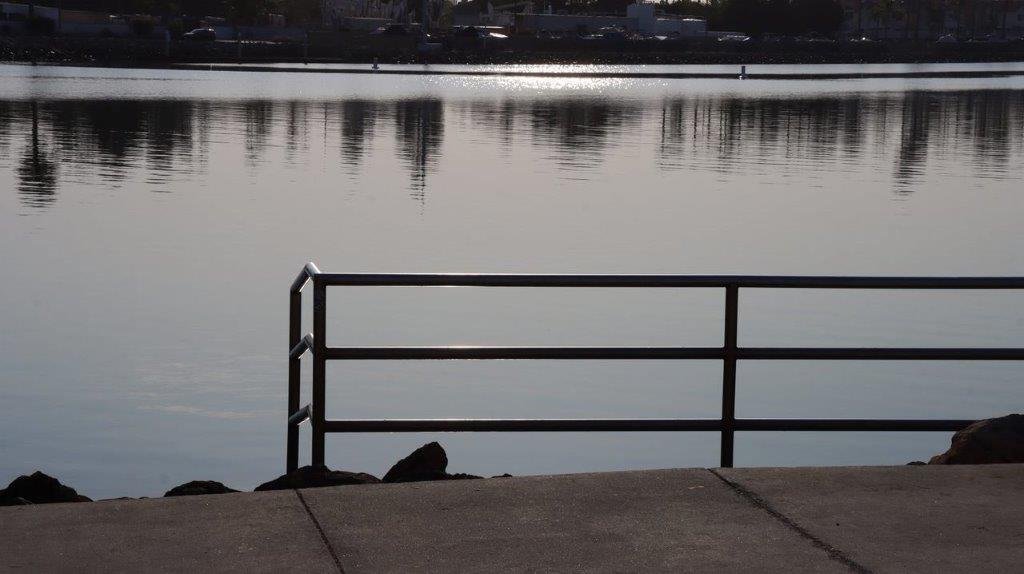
(861,519)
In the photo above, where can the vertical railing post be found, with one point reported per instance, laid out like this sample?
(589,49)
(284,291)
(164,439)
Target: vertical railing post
(318,415)
(294,377)
(729,375)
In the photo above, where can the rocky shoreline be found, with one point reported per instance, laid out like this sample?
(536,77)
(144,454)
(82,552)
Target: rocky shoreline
(990,441)
(427,463)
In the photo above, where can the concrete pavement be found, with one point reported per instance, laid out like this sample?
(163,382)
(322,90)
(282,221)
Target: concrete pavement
(906,519)
(874,519)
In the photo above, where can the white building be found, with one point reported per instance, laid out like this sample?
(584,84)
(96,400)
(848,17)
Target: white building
(648,23)
(640,19)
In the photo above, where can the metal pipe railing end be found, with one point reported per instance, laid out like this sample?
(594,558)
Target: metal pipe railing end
(300,416)
(309,271)
(304,344)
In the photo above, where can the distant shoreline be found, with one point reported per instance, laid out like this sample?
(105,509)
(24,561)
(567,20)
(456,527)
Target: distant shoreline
(756,72)
(312,68)
(136,52)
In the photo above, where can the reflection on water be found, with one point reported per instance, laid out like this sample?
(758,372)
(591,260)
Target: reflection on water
(358,120)
(419,132)
(37,174)
(99,140)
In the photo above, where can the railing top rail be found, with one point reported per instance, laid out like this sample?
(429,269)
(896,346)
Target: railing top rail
(465,352)
(656,281)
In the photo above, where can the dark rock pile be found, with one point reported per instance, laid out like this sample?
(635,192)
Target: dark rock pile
(991,441)
(314,476)
(197,487)
(429,462)
(38,488)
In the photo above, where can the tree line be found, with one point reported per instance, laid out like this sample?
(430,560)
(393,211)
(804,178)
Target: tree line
(241,12)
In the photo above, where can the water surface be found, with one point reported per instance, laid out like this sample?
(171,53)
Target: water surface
(153,220)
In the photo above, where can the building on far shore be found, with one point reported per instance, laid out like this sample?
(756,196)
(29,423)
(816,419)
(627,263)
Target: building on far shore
(360,24)
(991,19)
(468,13)
(15,17)
(640,18)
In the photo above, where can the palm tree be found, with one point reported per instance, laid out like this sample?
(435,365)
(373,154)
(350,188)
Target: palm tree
(1006,14)
(958,13)
(915,13)
(886,10)
(860,8)
(937,10)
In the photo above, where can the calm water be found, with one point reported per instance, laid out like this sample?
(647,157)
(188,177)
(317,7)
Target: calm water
(152,222)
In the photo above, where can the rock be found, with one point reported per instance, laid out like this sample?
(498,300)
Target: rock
(314,476)
(991,441)
(506,475)
(197,487)
(38,488)
(429,462)
(916,463)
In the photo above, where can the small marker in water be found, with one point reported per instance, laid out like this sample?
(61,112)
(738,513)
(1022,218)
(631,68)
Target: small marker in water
(743,72)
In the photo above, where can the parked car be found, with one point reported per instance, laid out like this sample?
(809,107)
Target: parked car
(391,30)
(478,33)
(608,33)
(770,38)
(201,35)
(814,38)
(550,35)
(992,38)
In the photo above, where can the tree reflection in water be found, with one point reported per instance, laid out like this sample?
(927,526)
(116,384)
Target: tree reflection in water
(37,173)
(106,141)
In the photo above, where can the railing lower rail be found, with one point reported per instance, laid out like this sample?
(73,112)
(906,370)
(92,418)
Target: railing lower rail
(729,353)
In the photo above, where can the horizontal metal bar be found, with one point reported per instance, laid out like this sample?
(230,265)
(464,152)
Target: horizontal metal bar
(520,425)
(638,425)
(306,343)
(308,272)
(894,425)
(880,354)
(670,353)
(749,281)
(539,353)
(299,416)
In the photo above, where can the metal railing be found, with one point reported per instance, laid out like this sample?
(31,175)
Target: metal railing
(729,353)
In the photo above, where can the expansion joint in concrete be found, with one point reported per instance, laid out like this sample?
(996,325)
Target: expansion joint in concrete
(320,531)
(753,498)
